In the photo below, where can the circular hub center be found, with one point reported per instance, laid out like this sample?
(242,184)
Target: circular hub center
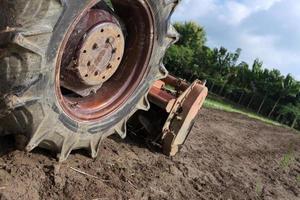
(100,53)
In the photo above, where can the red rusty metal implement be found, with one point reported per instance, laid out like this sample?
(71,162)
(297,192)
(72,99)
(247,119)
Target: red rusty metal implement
(174,107)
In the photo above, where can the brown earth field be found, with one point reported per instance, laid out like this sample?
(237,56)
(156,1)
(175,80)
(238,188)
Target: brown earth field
(227,156)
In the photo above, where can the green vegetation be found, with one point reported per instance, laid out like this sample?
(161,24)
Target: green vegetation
(259,188)
(293,111)
(287,160)
(222,105)
(253,87)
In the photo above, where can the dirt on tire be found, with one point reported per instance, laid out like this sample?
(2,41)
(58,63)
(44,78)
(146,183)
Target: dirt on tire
(227,156)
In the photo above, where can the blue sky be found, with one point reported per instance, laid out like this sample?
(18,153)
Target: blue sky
(265,29)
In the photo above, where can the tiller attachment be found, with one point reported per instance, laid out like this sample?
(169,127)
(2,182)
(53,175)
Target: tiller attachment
(174,107)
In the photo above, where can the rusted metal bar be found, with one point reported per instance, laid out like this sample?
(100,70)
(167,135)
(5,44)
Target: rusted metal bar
(179,84)
(162,99)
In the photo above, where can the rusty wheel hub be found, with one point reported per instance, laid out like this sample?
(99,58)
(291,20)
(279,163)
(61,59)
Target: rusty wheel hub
(95,73)
(97,56)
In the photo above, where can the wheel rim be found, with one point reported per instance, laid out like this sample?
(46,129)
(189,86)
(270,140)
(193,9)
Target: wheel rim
(103,60)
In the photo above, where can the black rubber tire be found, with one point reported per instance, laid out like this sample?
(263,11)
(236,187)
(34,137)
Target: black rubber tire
(32,31)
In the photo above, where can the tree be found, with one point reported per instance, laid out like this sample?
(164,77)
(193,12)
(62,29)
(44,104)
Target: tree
(192,35)
(223,63)
(287,87)
(254,78)
(293,110)
(264,87)
(267,83)
(243,80)
(179,59)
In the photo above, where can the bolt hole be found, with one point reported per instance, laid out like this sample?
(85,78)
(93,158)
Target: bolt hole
(102,30)
(114,50)
(86,75)
(119,36)
(95,46)
(84,51)
(119,58)
(103,77)
(96,73)
(89,63)
(109,66)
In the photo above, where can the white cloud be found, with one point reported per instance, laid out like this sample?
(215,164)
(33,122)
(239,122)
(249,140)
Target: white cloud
(235,12)
(264,47)
(262,4)
(194,9)
(232,12)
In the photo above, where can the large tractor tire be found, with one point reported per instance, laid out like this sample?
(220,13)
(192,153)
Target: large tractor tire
(73,72)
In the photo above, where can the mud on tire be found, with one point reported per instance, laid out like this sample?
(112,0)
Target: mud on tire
(31,36)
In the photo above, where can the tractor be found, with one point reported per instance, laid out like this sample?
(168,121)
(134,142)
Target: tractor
(73,72)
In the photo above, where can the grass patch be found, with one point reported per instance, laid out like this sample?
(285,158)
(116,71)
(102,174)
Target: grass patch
(259,188)
(220,105)
(287,160)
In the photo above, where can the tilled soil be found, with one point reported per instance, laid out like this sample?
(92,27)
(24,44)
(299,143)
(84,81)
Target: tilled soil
(227,156)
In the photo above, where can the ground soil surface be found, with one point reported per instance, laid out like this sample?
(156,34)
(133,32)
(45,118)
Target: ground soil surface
(227,156)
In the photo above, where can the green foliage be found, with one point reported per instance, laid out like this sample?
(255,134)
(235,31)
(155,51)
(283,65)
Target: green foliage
(180,58)
(192,35)
(287,160)
(292,111)
(259,188)
(266,92)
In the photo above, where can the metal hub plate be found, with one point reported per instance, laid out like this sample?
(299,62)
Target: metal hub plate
(100,54)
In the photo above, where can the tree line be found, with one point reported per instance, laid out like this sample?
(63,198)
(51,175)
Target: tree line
(253,86)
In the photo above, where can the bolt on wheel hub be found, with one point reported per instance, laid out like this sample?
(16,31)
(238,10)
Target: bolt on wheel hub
(100,54)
